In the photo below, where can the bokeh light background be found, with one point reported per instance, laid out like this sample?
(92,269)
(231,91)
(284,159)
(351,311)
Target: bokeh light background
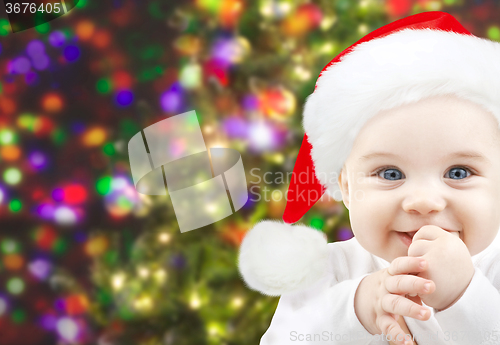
(84,259)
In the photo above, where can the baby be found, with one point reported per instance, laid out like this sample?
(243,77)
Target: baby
(431,162)
(408,118)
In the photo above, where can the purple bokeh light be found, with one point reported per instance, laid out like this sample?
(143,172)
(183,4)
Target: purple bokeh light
(60,304)
(40,268)
(38,160)
(80,236)
(171,100)
(21,65)
(235,127)
(3,195)
(124,97)
(178,261)
(31,78)
(35,47)
(58,194)
(71,53)
(40,61)
(57,38)
(250,102)
(48,322)
(4,305)
(77,127)
(343,234)
(46,211)
(226,51)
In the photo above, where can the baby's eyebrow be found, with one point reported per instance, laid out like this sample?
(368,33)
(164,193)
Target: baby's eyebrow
(470,154)
(461,154)
(377,155)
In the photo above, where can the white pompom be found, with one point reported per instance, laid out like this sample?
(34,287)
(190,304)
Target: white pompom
(277,258)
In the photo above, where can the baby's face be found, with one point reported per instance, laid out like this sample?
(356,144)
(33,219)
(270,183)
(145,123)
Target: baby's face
(434,162)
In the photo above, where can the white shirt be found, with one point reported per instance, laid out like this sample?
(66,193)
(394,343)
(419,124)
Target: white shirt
(324,313)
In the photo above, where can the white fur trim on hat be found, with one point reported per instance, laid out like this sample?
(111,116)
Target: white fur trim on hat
(388,72)
(277,258)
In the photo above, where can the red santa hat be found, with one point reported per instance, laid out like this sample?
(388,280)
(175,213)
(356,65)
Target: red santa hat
(420,56)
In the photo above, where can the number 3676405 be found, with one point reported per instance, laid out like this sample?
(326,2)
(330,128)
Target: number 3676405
(27,7)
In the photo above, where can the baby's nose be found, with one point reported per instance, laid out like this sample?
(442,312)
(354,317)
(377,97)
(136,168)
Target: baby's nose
(424,201)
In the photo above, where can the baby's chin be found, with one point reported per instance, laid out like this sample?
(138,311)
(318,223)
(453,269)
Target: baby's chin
(390,252)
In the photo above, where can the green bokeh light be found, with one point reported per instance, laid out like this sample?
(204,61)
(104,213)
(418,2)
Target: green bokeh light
(15,286)
(212,6)
(155,10)
(27,121)
(150,73)
(111,257)
(104,85)
(12,176)
(109,149)
(9,246)
(59,246)
(124,203)
(18,316)
(152,52)
(81,4)
(4,27)
(58,136)
(103,186)
(43,28)
(494,33)
(15,205)
(7,137)
(125,313)
(104,297)
(317,223)
(68,33)
(129,128)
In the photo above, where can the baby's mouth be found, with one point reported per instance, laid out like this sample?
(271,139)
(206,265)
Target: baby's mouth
(411,233)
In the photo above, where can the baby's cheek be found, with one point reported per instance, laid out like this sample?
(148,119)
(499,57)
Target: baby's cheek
(370,237)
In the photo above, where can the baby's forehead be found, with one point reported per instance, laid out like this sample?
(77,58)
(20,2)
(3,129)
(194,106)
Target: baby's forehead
(435,129)
(439,116)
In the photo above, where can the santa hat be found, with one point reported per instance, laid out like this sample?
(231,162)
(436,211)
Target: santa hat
(420,56)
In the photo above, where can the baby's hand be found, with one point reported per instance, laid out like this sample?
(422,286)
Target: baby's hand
(450,264)
(379,300)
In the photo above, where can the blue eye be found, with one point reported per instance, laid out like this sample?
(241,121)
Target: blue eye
(390,174)
(459,172)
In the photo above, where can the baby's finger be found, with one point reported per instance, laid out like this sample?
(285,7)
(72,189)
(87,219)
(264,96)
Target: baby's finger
(415,299)
(391,329)
(409,284)
(395,304)
(407,264)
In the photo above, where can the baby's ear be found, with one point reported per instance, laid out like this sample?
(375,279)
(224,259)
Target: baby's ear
(344,186)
